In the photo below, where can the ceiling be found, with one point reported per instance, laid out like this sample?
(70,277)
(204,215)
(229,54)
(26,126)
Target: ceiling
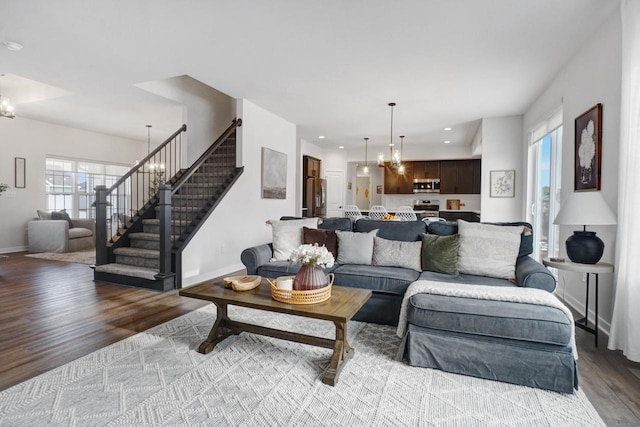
(330,67)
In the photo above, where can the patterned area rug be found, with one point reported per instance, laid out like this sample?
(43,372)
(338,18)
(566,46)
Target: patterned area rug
(80,257)
(157,378)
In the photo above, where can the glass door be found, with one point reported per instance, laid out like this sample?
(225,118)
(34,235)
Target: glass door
(545,193)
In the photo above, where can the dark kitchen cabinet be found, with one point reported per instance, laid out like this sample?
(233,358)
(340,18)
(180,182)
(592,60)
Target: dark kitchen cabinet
(460,176)
(396,183)
(311,166)
(426,170)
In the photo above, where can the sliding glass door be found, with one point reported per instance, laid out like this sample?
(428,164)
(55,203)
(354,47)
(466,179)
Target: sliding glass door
(544,190)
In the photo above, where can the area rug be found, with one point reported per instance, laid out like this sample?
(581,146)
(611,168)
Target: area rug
(158,378)
(80,257)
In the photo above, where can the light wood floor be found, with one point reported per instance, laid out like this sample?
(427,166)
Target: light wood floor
(52,313)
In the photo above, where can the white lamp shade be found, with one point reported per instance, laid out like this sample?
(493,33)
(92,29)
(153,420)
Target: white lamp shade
(585,208)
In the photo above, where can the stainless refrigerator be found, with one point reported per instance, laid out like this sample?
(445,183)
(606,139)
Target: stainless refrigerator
(316,197)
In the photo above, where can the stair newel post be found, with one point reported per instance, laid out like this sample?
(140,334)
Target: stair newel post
(102,256)
(165,229)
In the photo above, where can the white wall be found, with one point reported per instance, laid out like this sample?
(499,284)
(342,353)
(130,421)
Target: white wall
(592,76)
(207,113)
(34,140)
(502,149)
(239,220)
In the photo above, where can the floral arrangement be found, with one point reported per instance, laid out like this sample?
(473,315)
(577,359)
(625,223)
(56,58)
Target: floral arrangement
(587,148)
(3,188)
(313,255)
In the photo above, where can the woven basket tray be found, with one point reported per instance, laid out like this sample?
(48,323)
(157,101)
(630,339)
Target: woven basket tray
(313,296)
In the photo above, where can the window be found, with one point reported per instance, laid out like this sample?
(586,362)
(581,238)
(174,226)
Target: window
(544,179)
(70,184)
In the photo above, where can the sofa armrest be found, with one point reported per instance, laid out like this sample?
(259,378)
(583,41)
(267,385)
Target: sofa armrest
(531,274)
(89,224)
(254,257)
(48,235)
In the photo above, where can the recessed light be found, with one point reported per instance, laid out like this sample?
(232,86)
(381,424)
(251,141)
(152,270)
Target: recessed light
(341,147)
(447,142)
(447,129)
(13,46)
(321,137)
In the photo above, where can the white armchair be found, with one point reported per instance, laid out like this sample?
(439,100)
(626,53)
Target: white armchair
(51,235)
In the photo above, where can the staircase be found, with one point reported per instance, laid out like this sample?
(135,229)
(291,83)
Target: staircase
(145,249)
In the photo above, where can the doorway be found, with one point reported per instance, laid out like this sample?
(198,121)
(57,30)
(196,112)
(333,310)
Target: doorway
(335,193)
(363,193)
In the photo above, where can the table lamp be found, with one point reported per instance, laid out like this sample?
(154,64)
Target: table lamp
(585,208)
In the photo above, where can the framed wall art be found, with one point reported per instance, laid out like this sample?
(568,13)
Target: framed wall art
(588,149)
(274,174)
(21,170)
(503,183)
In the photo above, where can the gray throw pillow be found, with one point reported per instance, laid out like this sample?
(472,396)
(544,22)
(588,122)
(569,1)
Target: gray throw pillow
(62,215)
(440,253)
(355,248)
(395,253)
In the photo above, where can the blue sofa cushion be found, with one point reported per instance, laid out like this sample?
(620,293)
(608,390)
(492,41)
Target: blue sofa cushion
(392,280)
(336,223)
(283,268)
(518,321)
(407,231)
(449,227)
(468,279)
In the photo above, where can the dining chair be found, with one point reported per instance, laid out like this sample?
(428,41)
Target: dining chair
(406,213)
(353,212)
(377,212)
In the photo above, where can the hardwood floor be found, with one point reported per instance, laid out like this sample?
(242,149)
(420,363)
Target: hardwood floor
(52,313)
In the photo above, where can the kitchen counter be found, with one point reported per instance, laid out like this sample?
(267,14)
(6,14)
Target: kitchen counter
(453,215)
(460,210)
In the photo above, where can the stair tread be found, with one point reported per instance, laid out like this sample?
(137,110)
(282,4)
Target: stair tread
(144,236)
(137,252)
(128,270)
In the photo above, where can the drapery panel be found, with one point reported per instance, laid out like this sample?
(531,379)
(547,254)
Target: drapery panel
(625,332)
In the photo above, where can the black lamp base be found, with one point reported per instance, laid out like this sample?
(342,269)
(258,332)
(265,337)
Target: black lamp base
(585,247)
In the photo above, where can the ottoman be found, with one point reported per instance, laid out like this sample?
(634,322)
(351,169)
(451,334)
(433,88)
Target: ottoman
(514,342)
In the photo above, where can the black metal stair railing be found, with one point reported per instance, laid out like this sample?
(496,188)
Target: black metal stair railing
(185,203)
(135,192)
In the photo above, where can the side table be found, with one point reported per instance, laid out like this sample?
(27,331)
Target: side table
(595,269)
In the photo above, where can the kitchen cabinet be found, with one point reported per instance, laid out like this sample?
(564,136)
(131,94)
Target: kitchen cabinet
(311,166)
(426,170)
(396,183)
(460,176)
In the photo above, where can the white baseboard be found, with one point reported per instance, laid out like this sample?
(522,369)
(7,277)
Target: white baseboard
(578,306)
(14,249)
(194,280)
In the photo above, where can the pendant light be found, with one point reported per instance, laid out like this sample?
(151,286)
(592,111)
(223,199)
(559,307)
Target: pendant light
(366,161)
(400,164)
(6,109)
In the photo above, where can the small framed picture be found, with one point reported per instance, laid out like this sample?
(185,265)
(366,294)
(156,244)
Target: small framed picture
(21,166)
(588,149)
(503,183)
(378,189)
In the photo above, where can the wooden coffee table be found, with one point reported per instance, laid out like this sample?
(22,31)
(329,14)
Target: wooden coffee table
(339,309)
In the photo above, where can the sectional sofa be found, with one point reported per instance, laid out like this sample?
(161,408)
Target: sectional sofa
(517,342)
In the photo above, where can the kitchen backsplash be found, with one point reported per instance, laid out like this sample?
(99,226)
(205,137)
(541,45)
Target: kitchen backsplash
(468,202)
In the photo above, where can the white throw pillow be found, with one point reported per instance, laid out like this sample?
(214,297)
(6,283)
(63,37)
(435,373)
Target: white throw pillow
(355,248)
(489,250)
(287,236)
